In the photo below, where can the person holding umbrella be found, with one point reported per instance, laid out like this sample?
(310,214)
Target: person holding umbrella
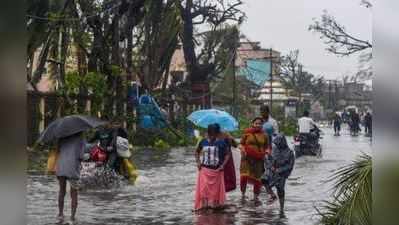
(67,133)
(71,153)
(224,123)
(211,156)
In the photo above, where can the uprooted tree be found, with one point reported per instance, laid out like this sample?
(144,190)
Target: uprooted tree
(128,40)
(214,15)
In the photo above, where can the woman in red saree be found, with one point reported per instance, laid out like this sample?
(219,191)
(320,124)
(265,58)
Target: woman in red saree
(254,147)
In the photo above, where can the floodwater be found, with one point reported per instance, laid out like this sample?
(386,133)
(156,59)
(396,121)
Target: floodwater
(163,193)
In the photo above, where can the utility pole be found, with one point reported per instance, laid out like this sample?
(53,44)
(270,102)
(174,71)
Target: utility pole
(329,94)
(234,83)
(299,103)
(271,79)
(336,95)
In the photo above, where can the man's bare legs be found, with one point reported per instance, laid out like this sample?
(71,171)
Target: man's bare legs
(74,202)
(61,196)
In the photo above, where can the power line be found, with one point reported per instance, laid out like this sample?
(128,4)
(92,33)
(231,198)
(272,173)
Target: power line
(71,19)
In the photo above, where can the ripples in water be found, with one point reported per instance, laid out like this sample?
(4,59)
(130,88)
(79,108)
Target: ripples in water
(163,193)
(99,177)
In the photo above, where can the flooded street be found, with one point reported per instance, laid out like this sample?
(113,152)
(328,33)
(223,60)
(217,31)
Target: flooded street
(164,193)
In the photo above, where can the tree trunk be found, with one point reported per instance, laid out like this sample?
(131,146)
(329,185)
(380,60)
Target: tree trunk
(188,41)
(37,75)
(82,70)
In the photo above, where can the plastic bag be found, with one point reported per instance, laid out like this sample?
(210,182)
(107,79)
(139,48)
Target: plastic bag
(52,161)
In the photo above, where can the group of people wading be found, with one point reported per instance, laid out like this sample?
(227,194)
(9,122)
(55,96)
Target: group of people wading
(266,161)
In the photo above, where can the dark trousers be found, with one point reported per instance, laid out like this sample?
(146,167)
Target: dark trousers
(279,184)
(337,127)
(114,161)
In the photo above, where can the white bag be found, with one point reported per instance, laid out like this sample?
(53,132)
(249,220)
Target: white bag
(122,147)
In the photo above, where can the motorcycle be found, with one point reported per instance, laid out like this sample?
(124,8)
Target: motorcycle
(308,144)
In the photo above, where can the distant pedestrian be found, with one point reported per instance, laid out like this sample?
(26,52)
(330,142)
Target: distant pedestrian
(254,145)
(368,122)
(337,124)
(355,122)
(211,155)
(279,166)
(71,153)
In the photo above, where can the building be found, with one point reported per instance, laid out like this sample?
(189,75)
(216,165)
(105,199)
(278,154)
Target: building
(357,94)
(261,66)
(342,94)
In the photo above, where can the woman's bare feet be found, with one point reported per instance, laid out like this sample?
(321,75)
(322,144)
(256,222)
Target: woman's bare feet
(272,198)
(60,218)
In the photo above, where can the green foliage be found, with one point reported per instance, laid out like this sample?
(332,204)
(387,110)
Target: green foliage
(353,195)
(73,81)
(116,70)
(159,139)
(161,144)
(95,83)
(243,123)
(288,126)
(278,113)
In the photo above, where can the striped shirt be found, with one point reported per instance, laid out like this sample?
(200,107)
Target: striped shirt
(212,154)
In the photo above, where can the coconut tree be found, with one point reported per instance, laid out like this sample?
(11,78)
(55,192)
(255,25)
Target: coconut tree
(351,204)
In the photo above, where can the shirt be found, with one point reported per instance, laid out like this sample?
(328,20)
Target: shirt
(306,124)
(274,124)
(213,153)
(71,150)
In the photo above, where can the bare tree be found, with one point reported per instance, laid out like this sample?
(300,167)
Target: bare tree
(298,80)
(343,43)
(339,41)
(211,13)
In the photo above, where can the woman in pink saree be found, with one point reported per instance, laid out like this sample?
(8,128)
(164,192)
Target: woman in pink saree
(212,154)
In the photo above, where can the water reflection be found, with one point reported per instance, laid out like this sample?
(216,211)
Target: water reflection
(214,218)
(163,193)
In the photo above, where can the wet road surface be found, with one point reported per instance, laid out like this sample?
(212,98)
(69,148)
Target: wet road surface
(164,193)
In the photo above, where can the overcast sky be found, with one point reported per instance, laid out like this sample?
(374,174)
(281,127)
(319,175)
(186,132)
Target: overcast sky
(283,25)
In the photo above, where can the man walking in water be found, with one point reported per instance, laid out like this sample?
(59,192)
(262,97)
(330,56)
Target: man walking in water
(71,153)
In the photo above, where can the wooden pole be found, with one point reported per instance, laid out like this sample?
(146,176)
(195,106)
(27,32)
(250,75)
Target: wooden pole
(271,79)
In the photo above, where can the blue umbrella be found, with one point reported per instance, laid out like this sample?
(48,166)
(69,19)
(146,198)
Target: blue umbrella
(203,118)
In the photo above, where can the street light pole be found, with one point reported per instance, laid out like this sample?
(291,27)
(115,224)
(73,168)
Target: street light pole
(271,79)
(234,83)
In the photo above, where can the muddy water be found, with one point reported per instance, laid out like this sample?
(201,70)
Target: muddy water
(163,193)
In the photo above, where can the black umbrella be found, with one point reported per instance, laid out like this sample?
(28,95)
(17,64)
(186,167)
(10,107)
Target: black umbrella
(69,125)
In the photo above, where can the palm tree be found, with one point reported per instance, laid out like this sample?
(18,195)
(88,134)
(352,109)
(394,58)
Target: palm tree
(352,195)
